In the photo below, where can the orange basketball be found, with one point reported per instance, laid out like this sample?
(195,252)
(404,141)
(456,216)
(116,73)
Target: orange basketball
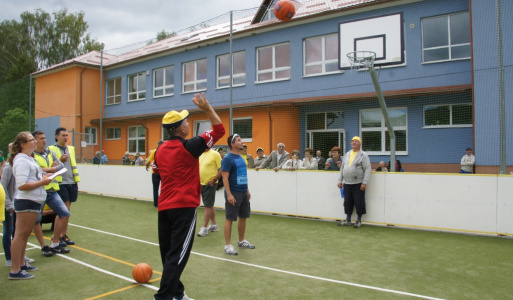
(284,10)
(142,273)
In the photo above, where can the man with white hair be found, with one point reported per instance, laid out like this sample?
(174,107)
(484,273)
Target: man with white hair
(276,159)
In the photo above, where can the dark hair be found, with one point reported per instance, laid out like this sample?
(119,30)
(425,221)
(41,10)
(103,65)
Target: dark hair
(310,150)
(295,152)
(58,130)
(36,133)
(229,140)
(160,143)
(16,146)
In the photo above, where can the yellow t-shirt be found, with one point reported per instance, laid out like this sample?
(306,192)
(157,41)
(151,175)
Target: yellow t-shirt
(2,203)
(245,156)
(151,158)
(209,163)
(352,155)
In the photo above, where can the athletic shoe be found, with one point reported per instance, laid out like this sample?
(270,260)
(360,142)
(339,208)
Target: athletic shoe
(185,297)
(203,231)
(230,250)
(61,242)
(29,260)
(20,275)
(60,250)
(212,228)
(246,244)
(8,263)
(28,268)
(47,251)
(67,240)
(345,223)
(358,224)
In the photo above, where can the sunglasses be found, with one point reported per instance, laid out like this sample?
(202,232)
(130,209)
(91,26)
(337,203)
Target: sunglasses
(234,136)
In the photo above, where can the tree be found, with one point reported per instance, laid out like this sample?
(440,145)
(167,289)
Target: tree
(161,36)
(14,121)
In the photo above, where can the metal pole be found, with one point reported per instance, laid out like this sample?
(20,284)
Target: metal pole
(502,101)
(388,123)
(101,103)
(231,73)
(30,104)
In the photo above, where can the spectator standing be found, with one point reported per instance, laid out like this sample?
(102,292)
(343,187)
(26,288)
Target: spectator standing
(248,158)
(276,159)
(293,163)
(210,172)
(354,176)
(237,194)
(104,158)
(221,152)
(467,162)
(335,161)
(178,165)
(321,161)
(125,160)
(97,158)
(260,157)
(309,162)
(155,176)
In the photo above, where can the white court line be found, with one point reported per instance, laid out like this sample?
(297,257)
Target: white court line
(273,269)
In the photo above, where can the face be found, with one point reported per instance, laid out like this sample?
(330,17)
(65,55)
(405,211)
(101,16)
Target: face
(244,150)
(382,164)
(318,153)
(237,143)
(335,154)
(185,127)
(307,154)
(355,144)
(281,148)
(295,156)
(30,144)
(62,137)
(40,141)
(221,152)
(260,153)
(469,152)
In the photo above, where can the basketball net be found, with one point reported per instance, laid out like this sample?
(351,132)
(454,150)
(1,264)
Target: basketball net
(361,59)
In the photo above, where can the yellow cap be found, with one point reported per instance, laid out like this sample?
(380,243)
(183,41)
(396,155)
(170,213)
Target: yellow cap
(173,119)
(357,138)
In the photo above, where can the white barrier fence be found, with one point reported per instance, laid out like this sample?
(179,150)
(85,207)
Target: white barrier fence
(464,203)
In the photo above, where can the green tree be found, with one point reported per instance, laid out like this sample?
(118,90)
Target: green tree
(14,121)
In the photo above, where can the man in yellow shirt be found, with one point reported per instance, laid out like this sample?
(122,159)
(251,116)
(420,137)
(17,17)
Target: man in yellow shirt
(155,178)
(210,172)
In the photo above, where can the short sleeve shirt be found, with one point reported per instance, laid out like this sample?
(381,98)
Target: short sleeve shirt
(236,166)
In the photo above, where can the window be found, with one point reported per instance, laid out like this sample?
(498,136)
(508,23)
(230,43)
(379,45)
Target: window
(320,55)
(244,128)
(114,91)
(164,82)
(195,76)
(453,115)
(446,38)
(201,126)
(113,134)
(137,87)
(273,63)
(325,130)
(239,69)
(90,136)
(374,133)
(136,139)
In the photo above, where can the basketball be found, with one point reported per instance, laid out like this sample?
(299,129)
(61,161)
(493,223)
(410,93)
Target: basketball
(142,273)
(284,10)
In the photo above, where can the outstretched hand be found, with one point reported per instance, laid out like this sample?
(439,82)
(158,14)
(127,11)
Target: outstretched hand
(201,101)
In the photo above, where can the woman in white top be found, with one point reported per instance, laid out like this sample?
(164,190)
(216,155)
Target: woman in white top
(309,162)
(30,183)
(293,163)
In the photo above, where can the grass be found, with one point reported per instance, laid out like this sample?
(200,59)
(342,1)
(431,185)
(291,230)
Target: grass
(294,259)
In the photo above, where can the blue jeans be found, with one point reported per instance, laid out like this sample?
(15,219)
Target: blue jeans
(8,224)
(56,204)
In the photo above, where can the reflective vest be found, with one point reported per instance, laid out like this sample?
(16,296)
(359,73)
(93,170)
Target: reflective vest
(73,161)
(45,160)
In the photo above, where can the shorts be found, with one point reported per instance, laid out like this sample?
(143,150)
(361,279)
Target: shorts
(68,192)
(56,204)
(24,205)
(208,194)
(241,209)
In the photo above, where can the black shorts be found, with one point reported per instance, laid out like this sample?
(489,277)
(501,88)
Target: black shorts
(68,192)
(241,209)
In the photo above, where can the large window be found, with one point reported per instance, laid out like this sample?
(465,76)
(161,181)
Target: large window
(195,76)
(164,82)
(91,134)
(137,87)
(239,69)
(113,133)
(114,91)
(244,127)
(374,133)
(320,55)
(452,115)
(273,63)
(136,139)
(201,126)
(446,37)
(325,130)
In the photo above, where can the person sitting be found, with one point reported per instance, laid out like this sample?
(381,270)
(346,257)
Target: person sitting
(398,167)
(125,160)
(382,167)
(309,162)
(321,161)
(334,163)
(293,163)
(97,159)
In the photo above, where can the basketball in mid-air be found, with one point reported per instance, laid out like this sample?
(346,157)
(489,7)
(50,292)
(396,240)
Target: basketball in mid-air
(284,10)
(142,273)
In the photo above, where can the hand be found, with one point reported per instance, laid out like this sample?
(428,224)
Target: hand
(55,163)
(64,158)
(339,185)
(339,163)
(201,101)
(231,200)
(147,167)
(292,168)
(211,183)
(363,187)
(45,181)
(249,195)
(257,168)
(276,169)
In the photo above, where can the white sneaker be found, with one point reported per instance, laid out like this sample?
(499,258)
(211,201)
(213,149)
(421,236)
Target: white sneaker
(228,249)
(29,260)
(185,297)
(212,228)
(246,244)
(203,231)
(8,263)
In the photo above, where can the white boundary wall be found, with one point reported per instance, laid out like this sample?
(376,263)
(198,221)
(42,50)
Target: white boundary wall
(464,203)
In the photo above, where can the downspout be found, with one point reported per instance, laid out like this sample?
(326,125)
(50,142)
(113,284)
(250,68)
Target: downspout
(81,108)
(270,129)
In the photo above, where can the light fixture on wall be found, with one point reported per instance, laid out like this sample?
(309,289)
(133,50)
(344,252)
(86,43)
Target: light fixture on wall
(147,73)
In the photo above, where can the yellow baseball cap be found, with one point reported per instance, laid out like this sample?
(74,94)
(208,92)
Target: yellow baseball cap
(259,148)
(357,138)
(173,119)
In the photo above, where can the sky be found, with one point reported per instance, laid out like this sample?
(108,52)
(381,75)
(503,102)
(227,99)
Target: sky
(122,23)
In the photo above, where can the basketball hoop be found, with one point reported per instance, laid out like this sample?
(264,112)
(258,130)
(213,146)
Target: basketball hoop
(361,59)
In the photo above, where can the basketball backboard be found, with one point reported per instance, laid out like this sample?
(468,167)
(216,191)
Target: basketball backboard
(382,35)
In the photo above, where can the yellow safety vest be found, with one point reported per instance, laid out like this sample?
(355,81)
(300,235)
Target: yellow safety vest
(71,155)
(47,163)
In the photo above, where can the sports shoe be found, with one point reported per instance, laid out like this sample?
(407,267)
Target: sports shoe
(246,244)
(28,268)
(60,250)
(8,263)
(358,224)
(212,228)
(345,223)
(29,260)
(61,242)
(203,231)
(20,275)
(185,297)
(46,251)
(230,250)
(67,240)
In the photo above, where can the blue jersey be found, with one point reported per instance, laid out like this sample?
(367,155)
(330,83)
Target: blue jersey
(236,166)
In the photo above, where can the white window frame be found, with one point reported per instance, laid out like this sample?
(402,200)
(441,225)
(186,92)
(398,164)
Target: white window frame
(136,138)
(164,87)
(195,82)
(383,129)
(91,131)
(201,124)
(273,70)
(243,138)
(235,76)
(450,125)
(138,90)
(115,96)
(114,135)
(448,46)
(323,62)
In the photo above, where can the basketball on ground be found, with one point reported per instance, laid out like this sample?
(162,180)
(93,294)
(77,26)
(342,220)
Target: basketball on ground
(142,273)
(284,10)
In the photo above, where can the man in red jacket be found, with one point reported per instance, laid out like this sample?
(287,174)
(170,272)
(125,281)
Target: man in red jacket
(178,166)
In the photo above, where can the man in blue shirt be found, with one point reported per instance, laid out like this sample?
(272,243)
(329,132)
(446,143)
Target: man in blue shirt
(236,193)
